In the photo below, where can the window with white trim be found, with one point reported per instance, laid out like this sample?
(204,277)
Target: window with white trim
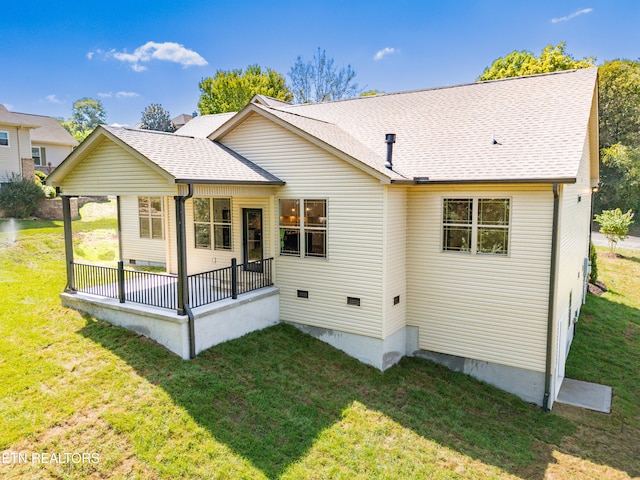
(151,216)
(476,225)
(4,139)
(39,155)
(303,234)
(212,221)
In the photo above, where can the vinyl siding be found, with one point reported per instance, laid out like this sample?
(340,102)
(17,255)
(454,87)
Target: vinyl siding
(110,170)
(134,247)
(55,153)
(19,147)
(355,201)
(485,307)
(395,257)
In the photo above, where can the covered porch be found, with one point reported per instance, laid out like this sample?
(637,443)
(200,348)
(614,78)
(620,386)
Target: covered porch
(191,306)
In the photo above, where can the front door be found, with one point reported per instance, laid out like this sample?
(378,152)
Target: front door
(252,237)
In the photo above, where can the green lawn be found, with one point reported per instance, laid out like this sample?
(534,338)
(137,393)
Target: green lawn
(280,404)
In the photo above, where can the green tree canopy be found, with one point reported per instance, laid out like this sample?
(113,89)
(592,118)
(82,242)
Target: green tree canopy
(86,115)
(319,80)
(156,118)
(619,102)
(619,178)
(230,91)
(551,59)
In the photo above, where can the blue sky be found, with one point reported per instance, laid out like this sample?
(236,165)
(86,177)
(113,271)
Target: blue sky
(130,54)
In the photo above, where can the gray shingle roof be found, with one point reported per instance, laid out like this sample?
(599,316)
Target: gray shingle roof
(189,158)
(45,129)
(203,125)
(446,134)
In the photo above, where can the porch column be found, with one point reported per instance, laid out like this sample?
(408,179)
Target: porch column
(118,210)
(181,245)
(68,243)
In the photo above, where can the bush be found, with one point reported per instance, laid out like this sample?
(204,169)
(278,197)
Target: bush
(19,197)
(593,259)
(614,225)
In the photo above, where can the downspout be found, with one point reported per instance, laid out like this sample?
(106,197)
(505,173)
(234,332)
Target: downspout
(183,287)
(552,289)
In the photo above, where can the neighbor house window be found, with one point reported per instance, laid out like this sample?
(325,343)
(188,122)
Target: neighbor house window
(212,221)
(39,156)
(4,139)
(150,213)
(303,233)
(476,225)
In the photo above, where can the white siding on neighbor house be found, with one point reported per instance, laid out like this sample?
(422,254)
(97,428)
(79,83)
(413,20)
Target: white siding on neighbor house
(574,225)
(485,307)
(134,247)
(55,154)
(111,170)
(19,147)
(395,258)
(355,202)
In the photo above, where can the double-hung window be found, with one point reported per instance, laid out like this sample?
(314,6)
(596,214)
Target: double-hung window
(4,139)
(212,220)
(151,216)
(39,156)
(476,225)
(303,231)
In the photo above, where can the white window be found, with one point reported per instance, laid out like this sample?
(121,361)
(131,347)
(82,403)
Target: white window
(303,234)
(476,225)
(151,215)
(4,139)
(39,156)
(219,223)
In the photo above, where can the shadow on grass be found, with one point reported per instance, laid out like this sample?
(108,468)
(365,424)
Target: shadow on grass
(269,395)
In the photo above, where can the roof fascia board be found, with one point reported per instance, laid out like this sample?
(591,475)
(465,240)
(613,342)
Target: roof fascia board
(418,181)
(197,181)
(251,108)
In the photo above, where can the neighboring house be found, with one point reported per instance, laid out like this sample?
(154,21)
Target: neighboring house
(27,139)
(181,120)
(450,224)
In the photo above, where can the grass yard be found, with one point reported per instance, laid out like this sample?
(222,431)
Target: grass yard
(280,404)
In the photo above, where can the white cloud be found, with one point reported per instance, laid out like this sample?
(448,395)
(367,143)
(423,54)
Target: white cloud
(92,54)
(572,15)
(380,54)
(127,94)
(124,125)
(105,95)
(53,99)
(167,51)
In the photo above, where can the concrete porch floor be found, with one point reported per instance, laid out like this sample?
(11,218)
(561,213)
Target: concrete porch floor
(587,395)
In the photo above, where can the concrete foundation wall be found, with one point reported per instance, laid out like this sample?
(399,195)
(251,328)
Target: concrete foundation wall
(526,384)
(214,324)
(376,352)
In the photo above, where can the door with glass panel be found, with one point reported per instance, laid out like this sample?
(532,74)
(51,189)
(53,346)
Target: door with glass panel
(252,250)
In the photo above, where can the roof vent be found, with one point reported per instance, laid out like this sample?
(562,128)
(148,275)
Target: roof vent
(390,139)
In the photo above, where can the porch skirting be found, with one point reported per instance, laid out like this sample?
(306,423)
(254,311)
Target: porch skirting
(214,323)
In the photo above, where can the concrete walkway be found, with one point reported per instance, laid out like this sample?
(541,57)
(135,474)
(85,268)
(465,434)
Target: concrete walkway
(631,243)
(586,395)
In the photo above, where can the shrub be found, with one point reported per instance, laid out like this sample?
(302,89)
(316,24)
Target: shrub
(614,225)
(19,197)
(593,259)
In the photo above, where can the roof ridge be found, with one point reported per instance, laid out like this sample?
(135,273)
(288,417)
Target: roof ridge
(297,115)
(145,130)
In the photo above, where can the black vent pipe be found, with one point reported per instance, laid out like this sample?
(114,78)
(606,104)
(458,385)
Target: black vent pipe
(390,139)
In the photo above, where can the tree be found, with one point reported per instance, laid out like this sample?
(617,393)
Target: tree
(614,225)
(86,115)
(319,80)
(371,93)
(230,91)
(551,59)
(156,118)
(619,102)
(619,178)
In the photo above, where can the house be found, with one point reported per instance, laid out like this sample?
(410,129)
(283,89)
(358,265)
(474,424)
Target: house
(450,224)
(31,141)
(181,120)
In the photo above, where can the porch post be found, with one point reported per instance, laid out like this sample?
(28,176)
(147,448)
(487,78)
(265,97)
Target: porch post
(68,243)
(181,245)
(118,212)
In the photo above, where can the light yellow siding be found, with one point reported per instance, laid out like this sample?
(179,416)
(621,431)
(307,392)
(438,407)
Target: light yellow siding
(485,307)
(395,257)
(134,247)
(355,201)
(110,170)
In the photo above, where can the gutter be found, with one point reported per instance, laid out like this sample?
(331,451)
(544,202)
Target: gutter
(552,288)
(427,181)
(183,288)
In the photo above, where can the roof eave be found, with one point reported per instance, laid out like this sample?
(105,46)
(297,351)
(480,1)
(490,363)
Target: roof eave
(200,181)
(488,181)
